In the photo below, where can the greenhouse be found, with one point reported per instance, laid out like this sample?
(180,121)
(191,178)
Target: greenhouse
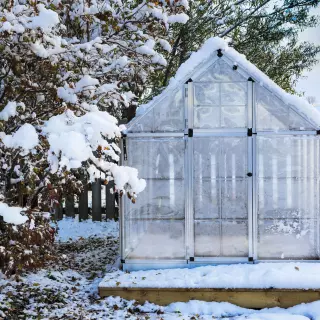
(231,163)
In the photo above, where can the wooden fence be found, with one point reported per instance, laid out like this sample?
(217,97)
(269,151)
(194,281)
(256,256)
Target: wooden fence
(95,202)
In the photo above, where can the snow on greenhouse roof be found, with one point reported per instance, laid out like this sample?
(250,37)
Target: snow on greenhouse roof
(208,51)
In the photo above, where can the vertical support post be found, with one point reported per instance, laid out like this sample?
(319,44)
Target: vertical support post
(110,201)
(189,214)
(83,203)
(121,209)
(96,200)
(70,212)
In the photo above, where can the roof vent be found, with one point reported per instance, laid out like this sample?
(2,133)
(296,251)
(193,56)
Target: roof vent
(220,54)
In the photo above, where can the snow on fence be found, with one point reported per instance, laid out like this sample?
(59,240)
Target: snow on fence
(95,201)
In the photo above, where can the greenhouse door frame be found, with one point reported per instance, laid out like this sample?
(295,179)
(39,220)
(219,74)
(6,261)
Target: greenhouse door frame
(250,133)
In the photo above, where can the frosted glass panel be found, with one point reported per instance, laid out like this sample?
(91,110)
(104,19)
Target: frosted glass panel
(288,239)
(220,196)
(233,117)
(206,199)
(161,239)
(161,158)
(169,113)
(274,114)
(207,117)
(235,238)
(234,93)
(234,199)
(221,71)
(154,226)
(288,197)
(233,157)
(220,105)
(166,116)
(206,93)
(144,123)
(207,238)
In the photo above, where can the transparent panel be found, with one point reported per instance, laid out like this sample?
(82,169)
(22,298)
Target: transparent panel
(169,113)
(161,158)
(274,114)
(154,226)
(207,238)
(144,123)
(233,117)
(233,163)
(166,116)
(287,239)
(234,93)
(235,238)
(206,93)
(220,196)
(220,105)
(234,199)
(221,71)
(206,199)
(288,197)
(207,117)
(296,122)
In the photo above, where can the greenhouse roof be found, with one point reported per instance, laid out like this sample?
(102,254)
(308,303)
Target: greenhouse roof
(199,60)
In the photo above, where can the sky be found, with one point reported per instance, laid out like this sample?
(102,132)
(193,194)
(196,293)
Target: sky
(311,83)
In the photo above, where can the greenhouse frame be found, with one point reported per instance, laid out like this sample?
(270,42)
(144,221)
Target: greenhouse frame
(231,163)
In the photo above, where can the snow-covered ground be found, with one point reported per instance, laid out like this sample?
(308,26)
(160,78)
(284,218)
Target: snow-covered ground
(70,229)
(263,275)
(67,288)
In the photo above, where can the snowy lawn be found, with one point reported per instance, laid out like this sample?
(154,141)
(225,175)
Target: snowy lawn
(263,275)
(67,288)
(70,229)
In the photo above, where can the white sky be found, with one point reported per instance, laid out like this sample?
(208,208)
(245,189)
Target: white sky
(311,83)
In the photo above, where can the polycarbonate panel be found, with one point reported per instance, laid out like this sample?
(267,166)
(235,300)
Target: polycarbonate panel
(288,197)
(206,93)
(155,224)
(274,114)
(161,239)
(220,105)
(234,199)
(221,71)
(220,196)
(158,158)
(166,116)
(233,117)
(234,93)
(207,238)
(234,238)
(207,117)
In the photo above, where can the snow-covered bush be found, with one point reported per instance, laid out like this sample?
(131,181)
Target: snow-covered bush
(67,68)
(26,240)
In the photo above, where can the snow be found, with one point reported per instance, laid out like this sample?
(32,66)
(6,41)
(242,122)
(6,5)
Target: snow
(207,52)
(45,20)
(259,276)
(25,137)
(12,214)
(72,229)
(10,110)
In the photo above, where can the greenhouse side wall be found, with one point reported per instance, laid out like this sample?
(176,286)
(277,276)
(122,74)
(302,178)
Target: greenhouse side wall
(288,197)
(154,226)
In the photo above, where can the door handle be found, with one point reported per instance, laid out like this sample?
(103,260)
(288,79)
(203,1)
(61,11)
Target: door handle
(249,174)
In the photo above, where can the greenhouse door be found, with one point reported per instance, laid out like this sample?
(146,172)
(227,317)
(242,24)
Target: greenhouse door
(221,172)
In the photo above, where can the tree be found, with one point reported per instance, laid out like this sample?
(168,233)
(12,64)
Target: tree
(66,67)
(266,32)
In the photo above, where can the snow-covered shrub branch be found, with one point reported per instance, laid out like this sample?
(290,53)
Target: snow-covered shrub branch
(67,68)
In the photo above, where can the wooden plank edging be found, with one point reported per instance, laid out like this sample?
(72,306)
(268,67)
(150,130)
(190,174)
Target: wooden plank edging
(246,298)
